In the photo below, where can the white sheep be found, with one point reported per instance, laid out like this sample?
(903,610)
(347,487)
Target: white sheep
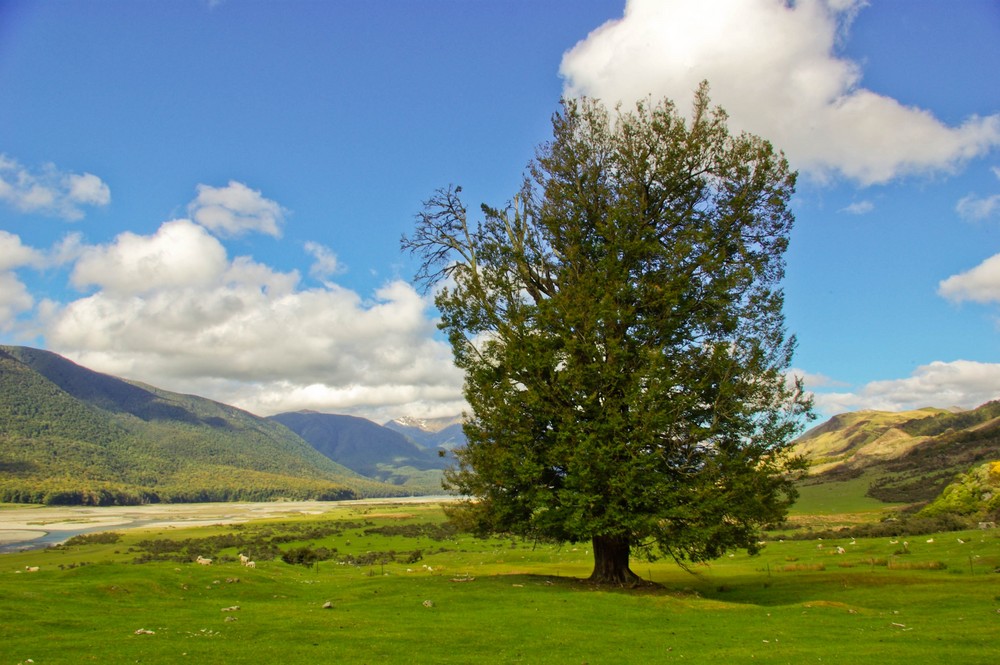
(244,558)
(841,550)
(203,561)
(31,569)
(250,564)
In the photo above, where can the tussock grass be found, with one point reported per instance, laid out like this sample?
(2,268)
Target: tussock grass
(896,564)
(802,567)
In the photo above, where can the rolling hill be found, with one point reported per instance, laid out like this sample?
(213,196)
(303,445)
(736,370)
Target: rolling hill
(72,435)
(906,457)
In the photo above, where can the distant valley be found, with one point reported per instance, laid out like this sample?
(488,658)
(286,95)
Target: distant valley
(69,435)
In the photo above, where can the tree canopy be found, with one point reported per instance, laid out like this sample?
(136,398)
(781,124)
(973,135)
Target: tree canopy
(620,326)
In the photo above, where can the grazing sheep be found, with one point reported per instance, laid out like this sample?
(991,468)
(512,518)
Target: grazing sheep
(841,550)
(31,569)
(203,561)
(244,558)
(930,540)
(250,564)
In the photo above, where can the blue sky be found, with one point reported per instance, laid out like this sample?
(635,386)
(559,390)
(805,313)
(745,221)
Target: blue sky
(209,196)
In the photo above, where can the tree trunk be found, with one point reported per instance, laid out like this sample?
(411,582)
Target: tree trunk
(611,562)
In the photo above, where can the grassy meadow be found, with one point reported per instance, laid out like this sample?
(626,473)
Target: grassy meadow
(395,584)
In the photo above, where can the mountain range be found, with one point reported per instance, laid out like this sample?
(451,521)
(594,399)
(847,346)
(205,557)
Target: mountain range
(72,435)
(387,453)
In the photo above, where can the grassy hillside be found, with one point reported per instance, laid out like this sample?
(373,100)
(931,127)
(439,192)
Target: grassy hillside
(905,457)
(71,435)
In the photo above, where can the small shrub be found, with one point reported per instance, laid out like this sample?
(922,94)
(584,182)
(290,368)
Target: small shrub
(306,556)
(102,538)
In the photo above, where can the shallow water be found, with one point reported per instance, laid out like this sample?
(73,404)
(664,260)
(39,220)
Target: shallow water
(39,527)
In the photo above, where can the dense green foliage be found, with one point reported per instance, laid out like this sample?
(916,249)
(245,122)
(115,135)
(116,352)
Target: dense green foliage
(621,331)
(69,435)
(975,494)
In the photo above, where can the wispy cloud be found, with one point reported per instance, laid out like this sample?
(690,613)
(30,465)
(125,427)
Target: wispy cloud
(980,284)
(50,191)
(325,262)
(859,208)
(975,208)
(236,209)
(803,96)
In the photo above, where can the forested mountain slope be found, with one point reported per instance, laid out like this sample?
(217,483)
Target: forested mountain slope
(370,449)
(72,435)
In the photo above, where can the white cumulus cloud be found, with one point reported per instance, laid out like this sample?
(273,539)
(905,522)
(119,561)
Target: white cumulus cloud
(773,65)
(236,209)
(14,295)
(49,191)
(179,254)
(14,254)
(14,299)
(962,383)
(172,309)
(980,284)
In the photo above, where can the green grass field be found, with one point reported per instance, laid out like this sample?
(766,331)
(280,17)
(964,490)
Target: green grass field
(452,598)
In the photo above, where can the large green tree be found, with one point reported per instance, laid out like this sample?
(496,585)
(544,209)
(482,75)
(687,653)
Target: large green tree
(620,327)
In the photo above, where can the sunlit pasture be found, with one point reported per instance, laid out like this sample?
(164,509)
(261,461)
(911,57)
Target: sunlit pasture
(393,583)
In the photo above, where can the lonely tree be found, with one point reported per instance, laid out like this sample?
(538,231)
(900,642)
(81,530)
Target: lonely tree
(620,326)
